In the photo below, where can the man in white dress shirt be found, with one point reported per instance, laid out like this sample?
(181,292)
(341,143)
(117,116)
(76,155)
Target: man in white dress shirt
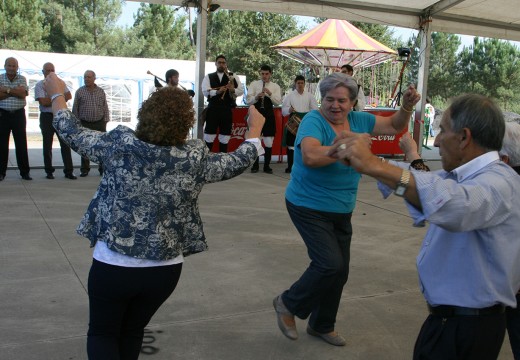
(298,101)
(265,94)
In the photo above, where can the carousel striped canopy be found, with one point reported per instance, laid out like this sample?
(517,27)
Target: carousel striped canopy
(334,43)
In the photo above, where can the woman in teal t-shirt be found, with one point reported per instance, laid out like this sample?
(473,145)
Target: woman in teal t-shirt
(320,198)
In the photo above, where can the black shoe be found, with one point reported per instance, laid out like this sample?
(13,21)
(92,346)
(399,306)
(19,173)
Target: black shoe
(50,176)
(71,176)
(287,171)
(254,170)
(268,170)
(2,177)
(101,172)
(83,173)
(26,177)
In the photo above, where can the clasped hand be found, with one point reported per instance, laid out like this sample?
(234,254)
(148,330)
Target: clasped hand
(353,149)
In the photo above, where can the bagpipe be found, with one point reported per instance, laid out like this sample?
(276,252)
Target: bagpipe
(231,78)
(158,85)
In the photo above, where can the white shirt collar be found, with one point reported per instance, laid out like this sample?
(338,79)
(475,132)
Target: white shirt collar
(466,170)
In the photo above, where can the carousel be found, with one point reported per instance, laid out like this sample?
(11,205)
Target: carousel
(324,49)
(378,68)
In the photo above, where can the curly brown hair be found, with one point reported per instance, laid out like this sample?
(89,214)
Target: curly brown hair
(166,117)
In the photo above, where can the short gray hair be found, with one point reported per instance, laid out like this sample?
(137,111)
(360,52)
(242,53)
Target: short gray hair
(336,80)
(481,116)
(511,143)
(90,71)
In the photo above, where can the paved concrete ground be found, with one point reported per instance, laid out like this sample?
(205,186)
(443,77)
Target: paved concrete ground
(221,309)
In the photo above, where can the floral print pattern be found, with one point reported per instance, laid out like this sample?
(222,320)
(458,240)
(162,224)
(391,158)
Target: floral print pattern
(146,205)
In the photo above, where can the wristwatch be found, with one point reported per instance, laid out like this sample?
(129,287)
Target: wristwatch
(8,91)
(403,183)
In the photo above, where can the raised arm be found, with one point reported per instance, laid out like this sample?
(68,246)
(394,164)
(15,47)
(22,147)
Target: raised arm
(223,166)
(86,142)
(394,124)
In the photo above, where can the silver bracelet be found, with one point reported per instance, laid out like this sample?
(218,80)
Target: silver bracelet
(53,97)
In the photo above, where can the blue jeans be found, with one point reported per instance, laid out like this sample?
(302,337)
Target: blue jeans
(318,292)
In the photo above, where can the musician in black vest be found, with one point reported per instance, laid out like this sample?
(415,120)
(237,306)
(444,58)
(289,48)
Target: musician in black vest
(265,94)
(221,94)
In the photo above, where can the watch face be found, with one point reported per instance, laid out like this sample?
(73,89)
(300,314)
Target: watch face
(400,190)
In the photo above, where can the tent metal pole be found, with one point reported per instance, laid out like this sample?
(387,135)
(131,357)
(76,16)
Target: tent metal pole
(425,36)
(202,26)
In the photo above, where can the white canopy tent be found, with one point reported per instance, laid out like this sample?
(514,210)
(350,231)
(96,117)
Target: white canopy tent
(125,80)
(486,18)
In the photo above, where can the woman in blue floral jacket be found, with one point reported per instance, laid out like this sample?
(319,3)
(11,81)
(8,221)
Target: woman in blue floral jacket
(144,217)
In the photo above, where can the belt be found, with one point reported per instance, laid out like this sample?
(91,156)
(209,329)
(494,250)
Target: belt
(450,310)
(93,122)
(12,111)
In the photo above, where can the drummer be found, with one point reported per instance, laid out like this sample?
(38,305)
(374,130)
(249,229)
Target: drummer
(298,102)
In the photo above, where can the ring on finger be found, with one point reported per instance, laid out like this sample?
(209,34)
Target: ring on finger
(342,147)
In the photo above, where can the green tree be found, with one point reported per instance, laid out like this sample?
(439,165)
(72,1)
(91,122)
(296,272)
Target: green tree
(21,25)
(127,43)
(245,38)
(442,78)
(89,25)
(491,67)
(53,21)
(442,83)
(162,34)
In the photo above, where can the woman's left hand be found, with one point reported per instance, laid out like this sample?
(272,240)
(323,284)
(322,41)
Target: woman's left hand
(410,97)
(53,84)
(409,147)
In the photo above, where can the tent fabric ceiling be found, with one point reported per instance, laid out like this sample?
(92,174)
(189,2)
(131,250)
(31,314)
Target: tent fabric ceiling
(487,18)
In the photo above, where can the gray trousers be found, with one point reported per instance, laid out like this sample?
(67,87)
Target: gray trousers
(100,125)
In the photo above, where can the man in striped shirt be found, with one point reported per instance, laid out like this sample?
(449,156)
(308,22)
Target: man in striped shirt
(13,90)
(468,263)
(91,107)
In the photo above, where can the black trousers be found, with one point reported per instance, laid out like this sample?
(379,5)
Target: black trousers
(460,338)
(48,132)
(513,328)
(100,125)
(318,291)
(14,122)
(122,301)
(218,118)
